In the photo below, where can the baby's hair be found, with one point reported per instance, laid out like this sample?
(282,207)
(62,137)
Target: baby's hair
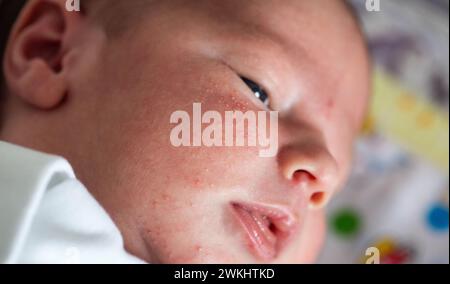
(116,15)
(9,10)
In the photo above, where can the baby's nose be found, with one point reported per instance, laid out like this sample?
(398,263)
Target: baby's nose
(310,167)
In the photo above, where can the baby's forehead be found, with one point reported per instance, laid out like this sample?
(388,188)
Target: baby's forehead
(275,14)
(323,30)
(298,24)
(320,39)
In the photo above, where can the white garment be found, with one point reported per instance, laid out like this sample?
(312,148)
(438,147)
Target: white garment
(48,216)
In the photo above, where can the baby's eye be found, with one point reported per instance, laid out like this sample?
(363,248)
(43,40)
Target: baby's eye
(257,91)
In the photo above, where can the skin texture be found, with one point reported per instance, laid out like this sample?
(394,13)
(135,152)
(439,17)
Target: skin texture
(104,103)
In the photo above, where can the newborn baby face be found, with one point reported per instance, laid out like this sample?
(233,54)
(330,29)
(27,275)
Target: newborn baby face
(224,204)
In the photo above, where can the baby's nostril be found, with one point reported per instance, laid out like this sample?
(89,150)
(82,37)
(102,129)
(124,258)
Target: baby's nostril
(317,199)
(272,228)
(303,176)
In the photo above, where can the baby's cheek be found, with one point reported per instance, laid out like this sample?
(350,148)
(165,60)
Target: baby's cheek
(187,242)
(312,238)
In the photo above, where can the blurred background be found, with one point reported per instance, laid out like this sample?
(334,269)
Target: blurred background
(397,198)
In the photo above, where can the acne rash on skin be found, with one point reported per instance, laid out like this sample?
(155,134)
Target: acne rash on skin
(197,182)
(235,104)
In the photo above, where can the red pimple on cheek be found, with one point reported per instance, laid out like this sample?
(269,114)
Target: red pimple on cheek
(197,182)
(198,248)
(330,103)
(161,200)
(165,197)
(329,106)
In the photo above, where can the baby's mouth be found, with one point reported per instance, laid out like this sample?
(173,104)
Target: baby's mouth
(268,229)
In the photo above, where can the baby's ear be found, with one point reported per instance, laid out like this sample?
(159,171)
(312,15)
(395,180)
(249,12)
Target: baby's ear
(34,57)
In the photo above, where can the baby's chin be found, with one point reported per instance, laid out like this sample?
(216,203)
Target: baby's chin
(231,250)
(306,256)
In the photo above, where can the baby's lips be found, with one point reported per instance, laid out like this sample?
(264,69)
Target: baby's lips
(281,221)
(281,217)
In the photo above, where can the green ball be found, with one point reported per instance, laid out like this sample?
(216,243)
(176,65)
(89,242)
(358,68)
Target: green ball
(346,222)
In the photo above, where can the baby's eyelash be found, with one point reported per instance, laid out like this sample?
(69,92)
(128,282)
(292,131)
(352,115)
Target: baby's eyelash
(257,90)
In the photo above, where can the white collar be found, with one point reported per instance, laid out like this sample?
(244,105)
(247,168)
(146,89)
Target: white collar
(25,175)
